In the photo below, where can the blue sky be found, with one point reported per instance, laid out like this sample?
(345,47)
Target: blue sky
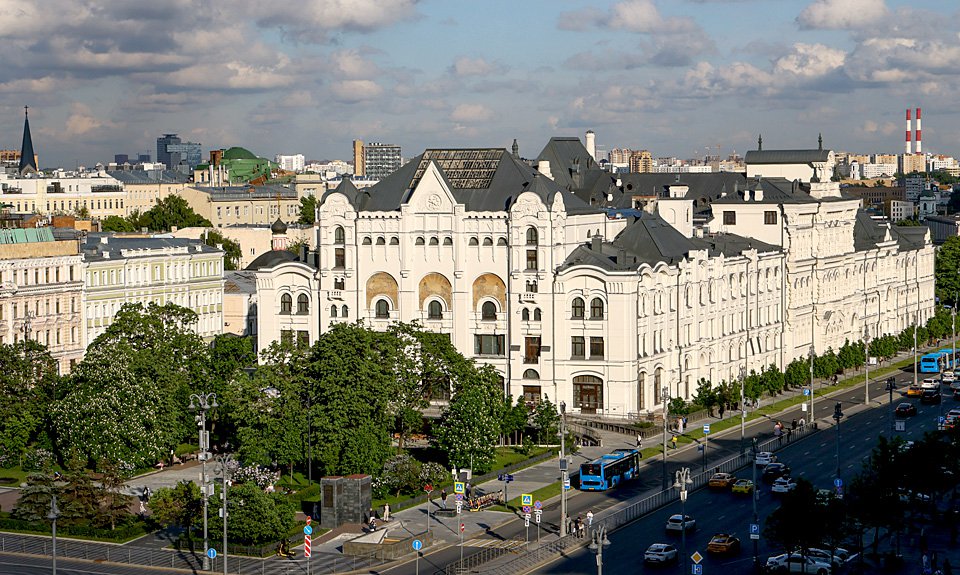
(672,76)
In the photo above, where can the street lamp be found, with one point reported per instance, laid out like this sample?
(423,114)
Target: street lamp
(598,540)
(891,386)
(838,415)
(812,355)
(866,353)
(665,398)
(53,516)
(225,465)
(563,470)
(204,402)
(743,406)
(681,482)
(754,495)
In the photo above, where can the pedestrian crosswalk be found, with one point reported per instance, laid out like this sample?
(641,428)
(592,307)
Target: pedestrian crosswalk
(508,544)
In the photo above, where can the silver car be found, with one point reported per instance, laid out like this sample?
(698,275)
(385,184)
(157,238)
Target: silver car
(661,553)
(680,523)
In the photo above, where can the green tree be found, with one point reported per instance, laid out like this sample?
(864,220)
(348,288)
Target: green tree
(772,380)
(826,365)
(402,474)
(255,517)
(181,505)
(798,373)
(546,420)
(118,224)
(848,355)
(114,504)
(706,396)
(28,378)
(469,426)
(515,419)
(217,240)
(408,360)
(947,270)
(172,211)
(79,499)
(794,524)
(308,207)
(34,501)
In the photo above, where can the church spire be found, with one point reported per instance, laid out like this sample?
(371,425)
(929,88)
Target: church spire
(820,141)
(760,143)
(28,164)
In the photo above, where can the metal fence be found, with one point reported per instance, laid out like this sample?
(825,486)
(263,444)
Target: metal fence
(485,555)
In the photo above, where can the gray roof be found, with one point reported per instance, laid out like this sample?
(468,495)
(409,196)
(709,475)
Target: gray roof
(703,189)
(775,191)
(101,247)
(248,192)
(271,259)
(570,162)
(149,176)
(786,156)
(240,282)
(482,179)
(867,232)
(910,237)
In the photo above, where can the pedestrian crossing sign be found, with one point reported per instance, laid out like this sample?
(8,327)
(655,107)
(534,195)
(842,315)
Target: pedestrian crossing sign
(526,499)
(459,487)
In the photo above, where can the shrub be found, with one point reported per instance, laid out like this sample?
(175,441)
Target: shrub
(37,460)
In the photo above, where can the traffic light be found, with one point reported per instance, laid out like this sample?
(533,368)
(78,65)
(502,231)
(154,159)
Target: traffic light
(838,411)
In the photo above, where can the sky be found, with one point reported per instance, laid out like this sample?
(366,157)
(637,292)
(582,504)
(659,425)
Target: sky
(677,77)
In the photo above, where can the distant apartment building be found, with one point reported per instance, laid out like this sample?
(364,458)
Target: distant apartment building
(620,156)
(100,195)
(243,205)
(872,170)
(641,162)
(898,210)
(41,292)
(876,196)
(942,163)
(144,188)
(174,152)
(910,163)
(291,163)
(121,270)
(380,160)
(358,167)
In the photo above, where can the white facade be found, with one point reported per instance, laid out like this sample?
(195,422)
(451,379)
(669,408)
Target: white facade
(291,163)
(540,292)
(99,194)
(871,170)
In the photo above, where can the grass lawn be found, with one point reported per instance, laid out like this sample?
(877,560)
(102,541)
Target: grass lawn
(541,494)
(12,476)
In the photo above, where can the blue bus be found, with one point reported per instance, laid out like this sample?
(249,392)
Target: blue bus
(947,354)
(610,470)
(930,363)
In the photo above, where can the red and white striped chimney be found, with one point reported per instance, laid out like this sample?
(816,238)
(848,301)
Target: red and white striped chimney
(907,147)
(919,141)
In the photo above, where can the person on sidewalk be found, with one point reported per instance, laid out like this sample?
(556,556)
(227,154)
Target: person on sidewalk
(673,441)
(639,440)
(590,518)
(582,529)
(386,512)
(443,498)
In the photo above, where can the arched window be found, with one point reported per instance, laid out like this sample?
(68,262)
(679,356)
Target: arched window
(286,303)
(381,241)
(596,308)
(501,241)
(366,241)
(531,374)
(488,311)
(434,310)
(394,241)
(525,314)
(578,308)
(533,238)
(448,241)
(473,242)
(344,311)
(419,241)
(383,309)
(537,315)
(434,241)
(303,303)
(339,237)
(488,241)
(333,311)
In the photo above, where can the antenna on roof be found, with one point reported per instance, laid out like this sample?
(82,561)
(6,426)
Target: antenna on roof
(760,142)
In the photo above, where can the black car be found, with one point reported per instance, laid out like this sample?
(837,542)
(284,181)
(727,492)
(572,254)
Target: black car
(930,396)
(905,410)
(773,471)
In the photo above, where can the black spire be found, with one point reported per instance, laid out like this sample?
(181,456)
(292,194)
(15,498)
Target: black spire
(760,143)
(515,149)
(28,165)
(820,141)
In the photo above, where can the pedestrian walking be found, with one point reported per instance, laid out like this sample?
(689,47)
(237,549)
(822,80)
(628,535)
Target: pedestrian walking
(143,510)
(673,441)
(721,411)
(639,440)
(590,518)
(443,498)
(469,489)
(571,527)
(386,512)
(580,527)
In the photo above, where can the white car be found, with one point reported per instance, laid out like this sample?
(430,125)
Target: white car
(948,377)
(680,523)
(836,559)
(661,553)
(763,458)
(783,485)
(930,383)
(796,563)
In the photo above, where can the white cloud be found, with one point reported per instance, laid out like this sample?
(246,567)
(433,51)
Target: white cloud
(842,14)
(356,90)
(464,66)
(351,65)
(314,20)
(467,113)
(643,16)
(810,60)
(82,122)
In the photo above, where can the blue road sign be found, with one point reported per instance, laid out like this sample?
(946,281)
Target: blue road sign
(508,477)
(754,528)
(806,392)
(538,504)
(417,545)
(696,569)
(838,482)
(706,428)
(212,553)
(307,530)
(942,420)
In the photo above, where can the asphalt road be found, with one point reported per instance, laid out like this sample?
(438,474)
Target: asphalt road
(814,459)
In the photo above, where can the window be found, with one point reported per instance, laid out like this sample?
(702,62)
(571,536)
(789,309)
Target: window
(531,350)
(533,238)
(488,345)
(339,258)
(770,218)
(596,308)
(434,241)
(419,241)
(448,241)
(303,338)
(587,393)
(531,374)
(366,241)
(537,315)
(339,237)
(657,379)
(383,309)
(641,379)
(578,308)
(303,304)
(525,314)
(339,283)
(473,242)
(333,311)
(501,241)
(344,311)
(434,310)
(729,218)
(488,241)
(532,260)
(394,241)
(577,346)
(596,348)
(532,286)
(286,303)
(286,336)
(381,241)
(531,394)
(488,311)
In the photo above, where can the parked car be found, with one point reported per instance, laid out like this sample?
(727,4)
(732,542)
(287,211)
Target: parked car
(835,559)
(930,396)
(661,553)
(905,409)
(797,563)
(721,481)
(783,485)
(773,471)
(763,458)
(724,544)
(678,523)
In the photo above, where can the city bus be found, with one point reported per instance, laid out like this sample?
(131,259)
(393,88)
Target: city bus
(930,363)
(610,470)
(947,354)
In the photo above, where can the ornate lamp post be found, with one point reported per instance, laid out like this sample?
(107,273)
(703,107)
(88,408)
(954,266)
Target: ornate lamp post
(53,516)
(681,482)
(225,466)
(665,397)
(598,540)
(563,470)
(204,402)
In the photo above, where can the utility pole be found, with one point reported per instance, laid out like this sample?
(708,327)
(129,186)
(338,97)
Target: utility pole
(664,397)
(754,495)
(204,402)
(563,471)
(681,482)
(812,355)
(866,349)
(838,415)
(53,516)
(225,462)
